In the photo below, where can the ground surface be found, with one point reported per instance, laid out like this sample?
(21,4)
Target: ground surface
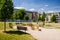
(15,35)
(47,25)
(51,31)
(45,34)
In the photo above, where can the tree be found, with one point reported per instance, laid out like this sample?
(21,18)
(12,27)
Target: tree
(26,17)
(17,15)
(43,18)
(53,18)
(20,14)
(6,11)
(39,18)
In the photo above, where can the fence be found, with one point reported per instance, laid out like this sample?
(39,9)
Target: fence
(19,20)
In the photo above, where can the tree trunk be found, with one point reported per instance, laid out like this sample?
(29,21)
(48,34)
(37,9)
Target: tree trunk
(43,23)
(37,22)
(4,25)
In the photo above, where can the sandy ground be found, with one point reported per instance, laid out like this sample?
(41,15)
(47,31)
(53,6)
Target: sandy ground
(45,34)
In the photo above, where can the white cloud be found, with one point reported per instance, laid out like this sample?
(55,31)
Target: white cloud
(19,7)
(32,9)
(50,11)
(46,5)
(42,9)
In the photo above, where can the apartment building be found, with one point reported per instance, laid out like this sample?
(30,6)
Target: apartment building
(32,15)
(49,15)
(58,17)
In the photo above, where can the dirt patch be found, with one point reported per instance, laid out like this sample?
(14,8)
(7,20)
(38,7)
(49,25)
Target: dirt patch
(1,31)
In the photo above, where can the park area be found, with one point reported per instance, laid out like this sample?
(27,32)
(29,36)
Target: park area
(50,31)
(20,22)
(13,34)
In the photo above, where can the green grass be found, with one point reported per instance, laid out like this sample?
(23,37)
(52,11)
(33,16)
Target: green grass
(47,25)
(2,26)
(15,35)
(52,25)
(7,25)
(18,35)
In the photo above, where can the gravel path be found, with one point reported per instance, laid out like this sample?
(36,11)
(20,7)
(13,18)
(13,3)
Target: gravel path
(45,34)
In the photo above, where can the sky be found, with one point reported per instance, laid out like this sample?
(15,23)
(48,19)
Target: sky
(38,5)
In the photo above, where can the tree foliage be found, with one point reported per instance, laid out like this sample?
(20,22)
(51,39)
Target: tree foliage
(26,17)
(43,16)
(39,18)
(53,18)
(6,10)
(20,14)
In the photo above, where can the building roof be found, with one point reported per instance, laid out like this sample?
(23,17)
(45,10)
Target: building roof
(27,11)
(31,12)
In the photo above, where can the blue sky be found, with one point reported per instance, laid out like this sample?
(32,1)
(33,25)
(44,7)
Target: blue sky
(38,5)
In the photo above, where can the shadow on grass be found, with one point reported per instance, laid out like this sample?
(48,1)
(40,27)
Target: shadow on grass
(16,32)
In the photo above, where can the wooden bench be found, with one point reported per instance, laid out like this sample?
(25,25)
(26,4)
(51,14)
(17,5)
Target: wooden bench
(22,28)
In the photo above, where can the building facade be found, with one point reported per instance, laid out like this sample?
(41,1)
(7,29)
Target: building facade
(49,15)
(32,15)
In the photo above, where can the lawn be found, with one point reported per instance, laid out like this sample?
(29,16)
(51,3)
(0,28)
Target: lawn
(2,25)
(19,35)
(7,24)
(13,34)
(52,25)
(47,25)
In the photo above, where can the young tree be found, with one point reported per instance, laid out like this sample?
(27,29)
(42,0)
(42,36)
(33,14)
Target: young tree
(20,14)
(39,18)
(26,17)
(43,18)
(53,18)
(6,11)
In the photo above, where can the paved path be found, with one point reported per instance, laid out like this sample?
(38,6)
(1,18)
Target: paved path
(45,34)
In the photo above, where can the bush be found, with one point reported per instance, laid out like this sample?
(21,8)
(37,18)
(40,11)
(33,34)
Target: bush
(26,17)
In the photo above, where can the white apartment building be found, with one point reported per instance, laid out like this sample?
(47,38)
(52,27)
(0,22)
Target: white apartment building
(49,15)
